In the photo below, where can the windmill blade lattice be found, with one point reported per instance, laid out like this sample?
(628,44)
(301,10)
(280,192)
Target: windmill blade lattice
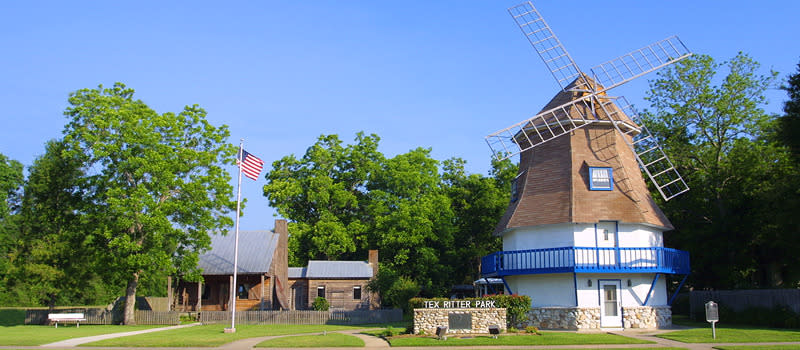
(639,62)
(547,45)
(651,157)
(543,127)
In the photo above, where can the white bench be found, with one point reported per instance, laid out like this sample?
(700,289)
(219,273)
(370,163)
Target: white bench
(73,317)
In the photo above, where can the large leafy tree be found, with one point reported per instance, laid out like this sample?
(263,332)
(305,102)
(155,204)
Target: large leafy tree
(413,219)
(478,202)
(431,226)
(155,183)
(789,131)
(324,194)
(55,261)
(10,184)
(11,180)
(716,132)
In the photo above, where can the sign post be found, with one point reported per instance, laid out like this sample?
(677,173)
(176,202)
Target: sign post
(712,316)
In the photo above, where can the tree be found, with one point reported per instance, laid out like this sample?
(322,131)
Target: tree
(413,220)
(11,180)
(718,136)
(155,185)
(54,261)
(343,200)
(478,202)
(790,121)
(324,194)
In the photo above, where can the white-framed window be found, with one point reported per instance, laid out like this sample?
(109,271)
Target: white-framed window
(321,291)
(515,188)
(356,292)
(601,179)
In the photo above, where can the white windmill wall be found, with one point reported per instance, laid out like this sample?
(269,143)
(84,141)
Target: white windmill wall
(637,235)
(539,237)
(579,235)
(632,296)
(545,290)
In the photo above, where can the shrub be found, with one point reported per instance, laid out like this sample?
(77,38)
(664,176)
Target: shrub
(512,330)
(320,304)
(532,329)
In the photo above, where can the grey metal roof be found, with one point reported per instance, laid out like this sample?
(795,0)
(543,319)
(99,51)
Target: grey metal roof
(338,269)
(297,272)
(256,249)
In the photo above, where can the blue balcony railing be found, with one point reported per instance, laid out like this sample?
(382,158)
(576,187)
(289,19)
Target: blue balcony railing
(585,259)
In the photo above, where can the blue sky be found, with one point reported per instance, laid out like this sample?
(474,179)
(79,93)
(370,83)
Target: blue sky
(438,74)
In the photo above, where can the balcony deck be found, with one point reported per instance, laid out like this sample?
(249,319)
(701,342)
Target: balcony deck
(585,260)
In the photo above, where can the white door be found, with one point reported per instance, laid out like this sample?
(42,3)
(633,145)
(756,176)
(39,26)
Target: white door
(610,308)
(606,236)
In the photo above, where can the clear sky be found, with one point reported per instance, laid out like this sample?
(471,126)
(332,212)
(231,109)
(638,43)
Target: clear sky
(438,74)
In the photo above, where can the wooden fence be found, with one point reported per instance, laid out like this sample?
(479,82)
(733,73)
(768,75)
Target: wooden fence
(740,300)
(304,317)
(104,316)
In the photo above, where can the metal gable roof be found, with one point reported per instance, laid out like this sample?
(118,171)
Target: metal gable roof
(256,249)
(297,272)
(338,269)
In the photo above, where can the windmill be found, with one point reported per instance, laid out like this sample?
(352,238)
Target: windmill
(590,103)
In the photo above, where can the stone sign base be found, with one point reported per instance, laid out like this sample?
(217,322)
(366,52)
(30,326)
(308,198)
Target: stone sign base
(426,320)
(589,317)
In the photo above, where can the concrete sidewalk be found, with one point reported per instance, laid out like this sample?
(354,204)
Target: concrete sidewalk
(77,341)
(376,343)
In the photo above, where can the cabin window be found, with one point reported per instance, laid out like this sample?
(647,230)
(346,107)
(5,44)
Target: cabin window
(321,291)
(600,179)
(357,293)
(243,291)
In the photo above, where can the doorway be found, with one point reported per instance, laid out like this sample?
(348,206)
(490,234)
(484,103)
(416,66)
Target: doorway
(610,307)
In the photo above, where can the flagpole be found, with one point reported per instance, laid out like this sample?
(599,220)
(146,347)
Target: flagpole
(236,240)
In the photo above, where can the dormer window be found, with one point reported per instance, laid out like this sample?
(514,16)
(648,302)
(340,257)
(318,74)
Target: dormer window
(515,188)
(600,179)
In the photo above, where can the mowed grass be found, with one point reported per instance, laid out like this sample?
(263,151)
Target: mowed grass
(38,335)
(212,335)
(547,338)
(734,334)
(331,340)
(758,347)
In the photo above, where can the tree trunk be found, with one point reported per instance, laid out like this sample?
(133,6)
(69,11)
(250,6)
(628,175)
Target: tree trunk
(129,318)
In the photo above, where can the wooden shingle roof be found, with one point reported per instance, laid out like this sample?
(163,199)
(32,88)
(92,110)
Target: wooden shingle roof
(553,180)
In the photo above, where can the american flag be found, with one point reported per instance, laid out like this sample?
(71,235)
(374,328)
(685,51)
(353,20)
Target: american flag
(251,165)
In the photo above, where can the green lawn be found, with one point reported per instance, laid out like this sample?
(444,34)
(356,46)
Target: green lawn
(331,340)
(212,335)
(758,347)
(37,335)
(733,334)
(547,338)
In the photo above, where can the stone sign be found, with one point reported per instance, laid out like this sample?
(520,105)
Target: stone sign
(458,320)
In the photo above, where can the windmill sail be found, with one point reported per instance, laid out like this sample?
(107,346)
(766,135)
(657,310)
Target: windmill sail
(547,45)
(639,62)
(651,157)
(583,100)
